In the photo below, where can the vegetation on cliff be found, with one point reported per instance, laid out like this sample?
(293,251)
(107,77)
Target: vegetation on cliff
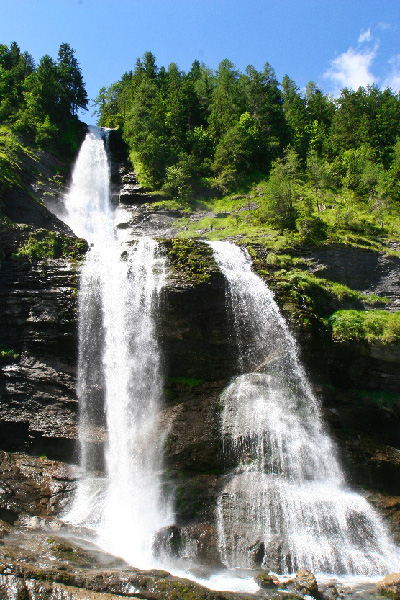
(190,261)
(42,243)
(282,160)
(38,117)
(373,326)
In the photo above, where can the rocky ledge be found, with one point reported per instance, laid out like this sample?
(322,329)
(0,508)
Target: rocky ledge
(45,561)
(47,565)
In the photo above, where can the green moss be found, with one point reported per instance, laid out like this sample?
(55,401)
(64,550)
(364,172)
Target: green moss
(305,290)
(309,283)
(191,260)
(8,353)
(370,326)
(49,244)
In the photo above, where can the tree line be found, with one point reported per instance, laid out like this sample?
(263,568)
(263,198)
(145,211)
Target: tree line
(40,102)
(189,133)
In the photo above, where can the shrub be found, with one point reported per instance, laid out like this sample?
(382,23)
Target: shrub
(371,326)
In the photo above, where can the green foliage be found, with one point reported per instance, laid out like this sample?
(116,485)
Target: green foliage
(371,326)
(13,156)
(283,191)
(329,170)
(10,151)
(40,103)
(240,149)
(366,116)
(225,122)
(312,286)
(43,243)
(191,260)
(8,353)
(312,229)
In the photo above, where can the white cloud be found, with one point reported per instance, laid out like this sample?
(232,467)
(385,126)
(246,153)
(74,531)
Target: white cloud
(365,36)
(384,26)
(393,79)
(351,69)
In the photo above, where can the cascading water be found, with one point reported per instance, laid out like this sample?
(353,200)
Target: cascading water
(286,503)
(119,377)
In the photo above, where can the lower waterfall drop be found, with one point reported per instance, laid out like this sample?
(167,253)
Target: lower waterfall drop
(119,494)
(286,504)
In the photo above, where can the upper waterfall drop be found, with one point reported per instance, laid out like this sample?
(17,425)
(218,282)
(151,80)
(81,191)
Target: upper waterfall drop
(286,504)
(87,203)
(119,494)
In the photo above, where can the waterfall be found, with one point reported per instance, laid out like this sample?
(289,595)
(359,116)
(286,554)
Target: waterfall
(87,203)
(119,494)
(285,503)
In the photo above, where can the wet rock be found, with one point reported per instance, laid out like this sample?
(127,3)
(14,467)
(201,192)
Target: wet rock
(266,581)
(5,529)
(306,583)
(131,192)
(390,586)
(201,543)
(53,567)
(331,592)
(42,590)
(275,556)
(32,486)
(37,377)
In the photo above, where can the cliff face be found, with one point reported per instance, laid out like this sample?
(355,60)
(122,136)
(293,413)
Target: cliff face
(39,408)
(38,419)
(38,321)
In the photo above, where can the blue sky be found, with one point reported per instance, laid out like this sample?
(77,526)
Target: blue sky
(334,43)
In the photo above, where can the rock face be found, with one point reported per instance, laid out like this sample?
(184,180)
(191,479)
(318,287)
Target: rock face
(32,486)
(38,419)
(131,192)
(37,381)
(39,408)
(363,270)
(37,368)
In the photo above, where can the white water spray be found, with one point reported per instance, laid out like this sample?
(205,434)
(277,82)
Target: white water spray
(87,203)
(286,502)
(119,375)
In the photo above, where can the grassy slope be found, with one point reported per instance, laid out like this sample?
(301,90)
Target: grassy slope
(27,229)
(239,217)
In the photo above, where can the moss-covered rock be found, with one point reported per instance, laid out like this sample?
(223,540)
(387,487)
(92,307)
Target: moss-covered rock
(42,243)
(191,260)
(266,581)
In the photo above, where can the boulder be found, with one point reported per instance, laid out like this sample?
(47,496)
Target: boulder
(265,580)
(390,586)
(306,583)
(331,592)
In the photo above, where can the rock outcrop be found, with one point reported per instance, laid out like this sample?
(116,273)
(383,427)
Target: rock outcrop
(46,566)
(38,355)
(390,586)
